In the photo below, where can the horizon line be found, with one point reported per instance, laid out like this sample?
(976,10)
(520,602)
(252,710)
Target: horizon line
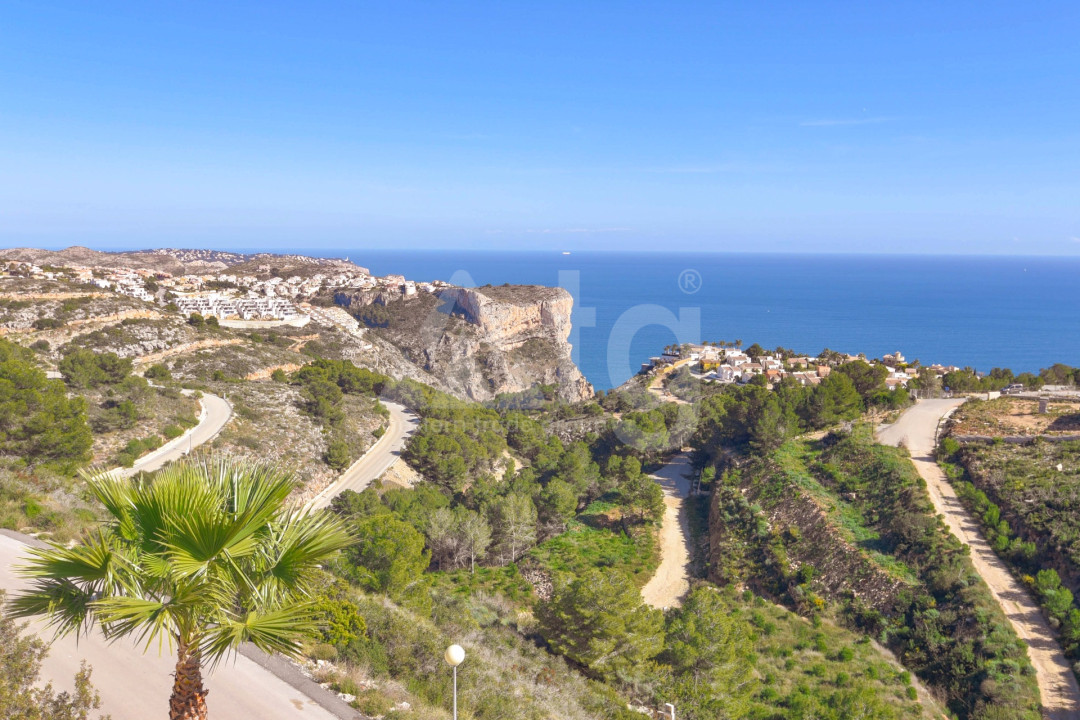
(543,251)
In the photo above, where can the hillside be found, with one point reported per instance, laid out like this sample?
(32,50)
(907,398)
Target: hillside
(168,260)
(1026,493)
(844,528)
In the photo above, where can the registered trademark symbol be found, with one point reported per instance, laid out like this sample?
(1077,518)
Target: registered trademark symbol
(689,281)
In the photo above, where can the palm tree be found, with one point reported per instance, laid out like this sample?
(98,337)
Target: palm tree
(205,554)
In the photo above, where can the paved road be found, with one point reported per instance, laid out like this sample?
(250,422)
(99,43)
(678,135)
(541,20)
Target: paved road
(672,579)
(376,460)
(136,686)
(917,429)
(217,412)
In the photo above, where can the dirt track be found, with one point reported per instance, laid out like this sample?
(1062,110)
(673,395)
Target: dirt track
(916,429)
(672,579)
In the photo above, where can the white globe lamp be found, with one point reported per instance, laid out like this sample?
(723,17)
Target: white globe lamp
(454,656)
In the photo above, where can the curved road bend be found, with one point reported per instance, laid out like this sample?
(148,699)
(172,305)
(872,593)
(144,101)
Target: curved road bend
(917,429)
(376,460)
(217,412)
(134,685)
(667,587)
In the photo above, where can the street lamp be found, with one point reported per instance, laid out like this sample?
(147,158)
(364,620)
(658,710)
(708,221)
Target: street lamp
(455,654)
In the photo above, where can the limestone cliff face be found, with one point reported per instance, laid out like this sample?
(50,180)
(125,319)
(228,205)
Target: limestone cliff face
(521,337)
(480,342)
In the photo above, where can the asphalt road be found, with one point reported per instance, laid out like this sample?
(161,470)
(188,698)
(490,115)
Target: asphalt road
(135,685)
(376,460)
(917,430)
(217,413)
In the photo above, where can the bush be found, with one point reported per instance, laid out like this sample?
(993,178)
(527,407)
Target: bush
(26,696)
(88,369)
(158,372)
(338,456)
(323,651)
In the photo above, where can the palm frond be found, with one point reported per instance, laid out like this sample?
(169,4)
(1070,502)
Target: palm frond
(305,540)
(139,618)
(97,565)
(115,494)
(278,630)
(65,605)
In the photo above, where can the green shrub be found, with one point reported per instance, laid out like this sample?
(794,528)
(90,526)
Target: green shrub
(32,508)
(323,651)
(158,372)
(338,455)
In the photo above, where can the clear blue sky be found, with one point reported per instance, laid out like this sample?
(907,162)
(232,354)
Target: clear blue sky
(758,126)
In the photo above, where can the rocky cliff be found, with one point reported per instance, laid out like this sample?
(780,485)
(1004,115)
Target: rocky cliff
(481,342)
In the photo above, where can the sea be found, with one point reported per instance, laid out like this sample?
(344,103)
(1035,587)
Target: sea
(981,312)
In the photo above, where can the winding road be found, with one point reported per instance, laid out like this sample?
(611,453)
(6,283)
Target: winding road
(252,685)
(215,413)
(917,430)
(376,460)
(667,587)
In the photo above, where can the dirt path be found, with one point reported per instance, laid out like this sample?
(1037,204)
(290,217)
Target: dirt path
(656,385)
(917,429)
(672,579)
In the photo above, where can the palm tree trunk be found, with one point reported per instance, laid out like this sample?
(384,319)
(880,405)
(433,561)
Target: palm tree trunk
(188,701)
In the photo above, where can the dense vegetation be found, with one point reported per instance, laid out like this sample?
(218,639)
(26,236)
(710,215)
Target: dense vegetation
(526,538)
(39,423)
(941,622)
(753,417)
(324,385)
(1028,509)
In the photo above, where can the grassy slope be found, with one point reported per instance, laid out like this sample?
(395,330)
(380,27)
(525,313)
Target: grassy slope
(850,485)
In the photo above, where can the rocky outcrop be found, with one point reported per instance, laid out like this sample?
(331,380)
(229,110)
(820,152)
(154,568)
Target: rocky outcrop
(482,342)
(524,331)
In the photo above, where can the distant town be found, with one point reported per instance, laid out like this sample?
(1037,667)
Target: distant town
(730,363)
(233,297)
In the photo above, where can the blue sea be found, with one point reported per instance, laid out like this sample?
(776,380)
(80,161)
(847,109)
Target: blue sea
(984,312)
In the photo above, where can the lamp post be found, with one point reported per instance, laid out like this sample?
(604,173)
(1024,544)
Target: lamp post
(455,654)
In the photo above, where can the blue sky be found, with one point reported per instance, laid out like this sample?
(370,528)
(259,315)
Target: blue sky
(816,127)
